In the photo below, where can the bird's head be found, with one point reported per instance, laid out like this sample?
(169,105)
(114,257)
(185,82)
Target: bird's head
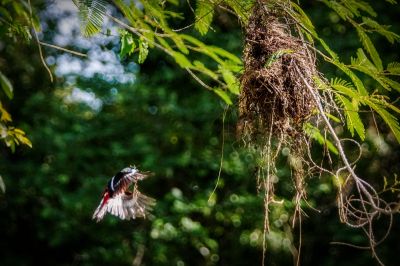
(129,170)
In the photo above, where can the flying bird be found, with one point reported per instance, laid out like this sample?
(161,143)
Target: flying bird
(121,201)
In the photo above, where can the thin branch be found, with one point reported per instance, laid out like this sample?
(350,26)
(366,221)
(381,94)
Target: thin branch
(63,49)
(198,79)
(340,147)
(222,153)
(38,42)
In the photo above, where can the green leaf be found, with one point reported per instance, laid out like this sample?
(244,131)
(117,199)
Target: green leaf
(181,59)
(314,133)
(204,15)
(276,55)
(174,2)
(352,117)
(179,43)
(362,64)
(91,13)
(391,1)
(224,96)
(390,119)
(242,8)
(2,185)
(221,52)
(231,81)
(302,17)
(336,61)
(381,29)
(127,44)
(369,46)
(394,68)
(356,80)
(6,86)
(143,50)
(199,66)
(355,5)
(332,117)
(5,116)
(393,84)
(341,10)
(21,137)
(344,87)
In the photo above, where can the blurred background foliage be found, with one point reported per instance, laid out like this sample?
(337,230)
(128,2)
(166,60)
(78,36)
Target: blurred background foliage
(86,126)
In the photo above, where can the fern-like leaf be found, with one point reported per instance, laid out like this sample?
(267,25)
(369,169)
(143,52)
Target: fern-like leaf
(231,81)
(370,48)
(392,83)
(356,5)
(143,50)
(344,87)
(204,15)
(314,133)
(381,29)
(341,10)
(353,119)
(91,13)
(394,68)
(363,64)
(224,96)
(302,18)
(242,8)
(390,119)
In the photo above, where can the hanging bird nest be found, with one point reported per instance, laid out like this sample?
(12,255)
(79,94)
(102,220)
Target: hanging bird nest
(274,97)
(278,97)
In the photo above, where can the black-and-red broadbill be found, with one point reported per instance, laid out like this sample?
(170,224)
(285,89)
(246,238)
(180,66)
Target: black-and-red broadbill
(122,198)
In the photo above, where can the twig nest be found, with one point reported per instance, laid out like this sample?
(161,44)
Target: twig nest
(274,97)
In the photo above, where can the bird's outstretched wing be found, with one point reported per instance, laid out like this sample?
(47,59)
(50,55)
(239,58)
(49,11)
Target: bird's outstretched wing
(126,206)
(123,179)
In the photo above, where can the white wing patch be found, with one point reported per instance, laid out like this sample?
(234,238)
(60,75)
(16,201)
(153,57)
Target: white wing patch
(126,206)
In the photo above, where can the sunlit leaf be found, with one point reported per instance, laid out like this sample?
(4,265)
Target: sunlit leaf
(314,133)
(181,59)
(204,15)
(224,96)
(5,116)
(127,44)
(353,119)
(92,14)
(143,50)
(394,68)
(6,86)
(231,81)
(2,185)
(369,46)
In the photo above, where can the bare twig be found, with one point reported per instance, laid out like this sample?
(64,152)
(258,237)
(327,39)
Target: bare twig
(38,42)
(63,49)
(222,154)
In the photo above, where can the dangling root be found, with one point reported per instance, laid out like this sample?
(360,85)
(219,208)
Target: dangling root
(279,95)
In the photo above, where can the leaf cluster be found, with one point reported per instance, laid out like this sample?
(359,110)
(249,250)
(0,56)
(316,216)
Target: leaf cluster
(15,21)
(353,95)
(148,27)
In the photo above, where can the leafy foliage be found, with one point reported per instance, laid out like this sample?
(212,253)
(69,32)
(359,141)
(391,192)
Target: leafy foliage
(6,86)
(204,15)
(348,97)
(151,29)
(14,25)
(92,14)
